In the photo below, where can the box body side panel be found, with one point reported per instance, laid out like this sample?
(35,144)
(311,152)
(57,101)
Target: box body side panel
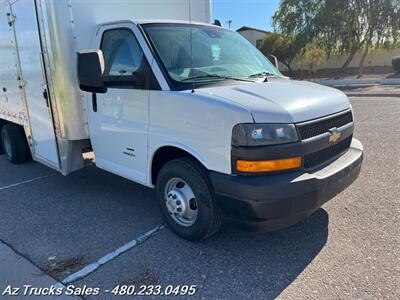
(11,102)
(34,84)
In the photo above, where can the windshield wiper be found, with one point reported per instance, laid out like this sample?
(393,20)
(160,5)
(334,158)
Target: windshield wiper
(262,74)
(205,76)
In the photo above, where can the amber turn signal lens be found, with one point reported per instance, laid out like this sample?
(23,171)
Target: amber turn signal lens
(268,165)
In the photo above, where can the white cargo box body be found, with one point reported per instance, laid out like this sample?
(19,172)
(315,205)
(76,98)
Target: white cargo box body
(39,40)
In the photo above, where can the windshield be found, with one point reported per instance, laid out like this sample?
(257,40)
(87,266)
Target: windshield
(218,54)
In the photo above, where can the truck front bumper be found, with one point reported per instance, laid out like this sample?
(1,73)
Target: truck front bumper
(273,201)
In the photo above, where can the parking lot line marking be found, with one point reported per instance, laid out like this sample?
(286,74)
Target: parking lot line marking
(26,181)
(112,255)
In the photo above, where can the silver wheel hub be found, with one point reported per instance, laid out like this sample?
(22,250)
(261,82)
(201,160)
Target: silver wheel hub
(181,202)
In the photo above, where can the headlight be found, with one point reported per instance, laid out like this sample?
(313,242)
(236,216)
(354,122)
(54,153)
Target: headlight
(263,134)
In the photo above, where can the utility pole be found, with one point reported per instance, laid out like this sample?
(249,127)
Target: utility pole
(229,22)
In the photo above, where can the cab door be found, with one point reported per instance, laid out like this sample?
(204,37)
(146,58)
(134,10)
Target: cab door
(118,119)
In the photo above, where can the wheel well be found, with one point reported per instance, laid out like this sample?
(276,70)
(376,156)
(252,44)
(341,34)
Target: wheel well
(2,123)
(5,122)
(164,155)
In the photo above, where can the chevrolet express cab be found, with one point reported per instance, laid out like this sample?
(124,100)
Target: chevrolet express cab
(187,108)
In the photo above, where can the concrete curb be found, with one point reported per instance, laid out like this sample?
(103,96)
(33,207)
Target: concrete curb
(372,95)
(17,271)
(359,82)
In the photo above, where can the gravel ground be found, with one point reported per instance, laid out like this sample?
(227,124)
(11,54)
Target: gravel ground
(347,249)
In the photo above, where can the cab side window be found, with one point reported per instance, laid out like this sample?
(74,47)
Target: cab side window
(122,53)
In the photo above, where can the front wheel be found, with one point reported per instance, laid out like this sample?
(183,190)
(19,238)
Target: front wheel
(187,199)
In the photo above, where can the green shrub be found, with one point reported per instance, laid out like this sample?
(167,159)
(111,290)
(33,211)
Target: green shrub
(396,64)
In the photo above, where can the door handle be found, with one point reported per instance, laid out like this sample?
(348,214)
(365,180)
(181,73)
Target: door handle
(46,97)
(94,102)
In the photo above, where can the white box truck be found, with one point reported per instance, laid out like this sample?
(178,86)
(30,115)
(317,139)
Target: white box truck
(168,100)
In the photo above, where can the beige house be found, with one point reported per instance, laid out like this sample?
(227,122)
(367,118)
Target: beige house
(253,35)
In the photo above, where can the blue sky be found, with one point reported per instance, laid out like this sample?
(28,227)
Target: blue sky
(253,13)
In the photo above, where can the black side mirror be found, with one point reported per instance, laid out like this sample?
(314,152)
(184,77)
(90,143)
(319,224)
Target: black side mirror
(90,71)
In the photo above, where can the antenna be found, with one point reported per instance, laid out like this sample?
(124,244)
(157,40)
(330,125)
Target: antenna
(191,42)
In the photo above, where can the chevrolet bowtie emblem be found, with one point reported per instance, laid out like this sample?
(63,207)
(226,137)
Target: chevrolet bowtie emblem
(335,135)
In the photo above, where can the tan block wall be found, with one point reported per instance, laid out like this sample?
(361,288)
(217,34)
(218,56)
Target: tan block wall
(375,58)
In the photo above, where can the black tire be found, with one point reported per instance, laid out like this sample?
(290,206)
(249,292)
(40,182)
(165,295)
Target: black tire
(17,150)
(209,218)
(2,123)
(1,147)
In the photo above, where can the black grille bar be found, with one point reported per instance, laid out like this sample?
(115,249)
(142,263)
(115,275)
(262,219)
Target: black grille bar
(310,130)
(316,158)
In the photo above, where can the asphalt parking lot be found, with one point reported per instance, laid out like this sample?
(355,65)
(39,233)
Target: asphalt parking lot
(350,248)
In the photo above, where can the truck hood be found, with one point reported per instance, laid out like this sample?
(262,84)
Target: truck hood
(283,100)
